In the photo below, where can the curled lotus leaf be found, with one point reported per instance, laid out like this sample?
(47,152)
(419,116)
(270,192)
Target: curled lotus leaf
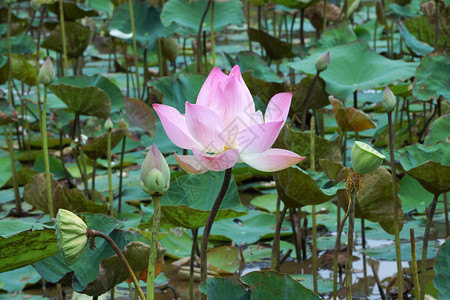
(429,164)
(275,48)
(77,39)
(350,118)
(139,117)
(73,10)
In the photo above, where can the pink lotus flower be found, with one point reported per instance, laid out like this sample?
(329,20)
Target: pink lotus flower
(223,128)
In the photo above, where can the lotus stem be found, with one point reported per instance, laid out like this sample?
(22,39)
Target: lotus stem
(154,248)
(133,30)
(375,36)
(45,149)
(436,26)
(273,257)
(248,26)
(95,233)
(414,264)
(209,223)
(94,171)
(396,209)
(307,100)
(63,36)
(276,241)
(213,40)
(199,34)
(122,155)
(447,227)
(337,247)
(426,237)
(302,34)
(313,209)
(160,58)
(9,134)
(325,10)
(110,186)
(192,263)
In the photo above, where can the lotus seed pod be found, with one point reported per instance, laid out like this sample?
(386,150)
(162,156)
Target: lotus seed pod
(365,159)
(322,62)
(108,124)
(388,100)
(71,235)
(47,72)
(155,173)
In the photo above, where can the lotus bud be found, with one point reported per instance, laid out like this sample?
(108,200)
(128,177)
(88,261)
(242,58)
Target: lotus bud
(365,159)
(322,62)
(47,73)
(388,100)
(155,173)
(34,5)
(108,124)
(71,234)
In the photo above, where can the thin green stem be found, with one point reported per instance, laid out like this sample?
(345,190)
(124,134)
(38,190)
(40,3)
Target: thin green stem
(63,36)
(122,155)
(313,211)
(414,264)
(154,248)
(192,263)
(276,239)
(9,135)
(209,223)
(325,10)
(337,247)
(198,39)
(307,100)
(110,185)
(45,149)
(273,258)
(426,237)
(133,30)
(160,59)
(351,227)
(213,40)
(116,248)
(436,26)
(396,210)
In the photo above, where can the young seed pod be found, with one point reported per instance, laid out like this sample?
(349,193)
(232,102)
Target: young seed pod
(322,62)
(155,173)
(47,72)
(365,159)
(71,234)
(388,100)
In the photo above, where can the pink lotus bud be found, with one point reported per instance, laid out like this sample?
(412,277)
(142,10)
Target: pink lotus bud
(47,72)
(155,173)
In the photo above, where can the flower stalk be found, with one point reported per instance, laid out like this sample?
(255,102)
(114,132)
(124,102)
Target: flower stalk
(108,126)
(154,247)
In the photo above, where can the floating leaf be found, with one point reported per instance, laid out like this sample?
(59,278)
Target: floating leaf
(220,288)
(299,142)
(16,280)
(23,243)
(35,193)
(188,14)
(98,146)
(442,268)
(224,259)
(430,164)
(355,67)
(432,78)
(350,118)
(274,285)
(298,188)
(275,48)
(73,11)
(77,39)
(267,202)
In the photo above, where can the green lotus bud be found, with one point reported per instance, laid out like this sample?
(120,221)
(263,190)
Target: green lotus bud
(47,73)
(388,100)
(34,5)
(365,159)
(155,173)
(108,124)
(322,62)
(71,234)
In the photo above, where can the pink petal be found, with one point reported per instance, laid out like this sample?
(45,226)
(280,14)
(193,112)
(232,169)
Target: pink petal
(236,73)
(271,160)
(220,162)
(190,164)
(278,107)
(258,138)
(207,91)
(206,127)
(175,126)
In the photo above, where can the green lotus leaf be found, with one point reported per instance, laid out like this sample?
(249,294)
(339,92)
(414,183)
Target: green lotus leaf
(24,242)
(20,44)
(73,10)
(442,268)
(430,164)
(275,48)
(220,288)
(424,31)
(298,4)
(98,146)
(224,259)
(439,131)
(188,14)
(274,285)
(355,67)
(77,39)
(139,117)
(432,78)
(21,70)
(7,113)
(414,45)
(298,188)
